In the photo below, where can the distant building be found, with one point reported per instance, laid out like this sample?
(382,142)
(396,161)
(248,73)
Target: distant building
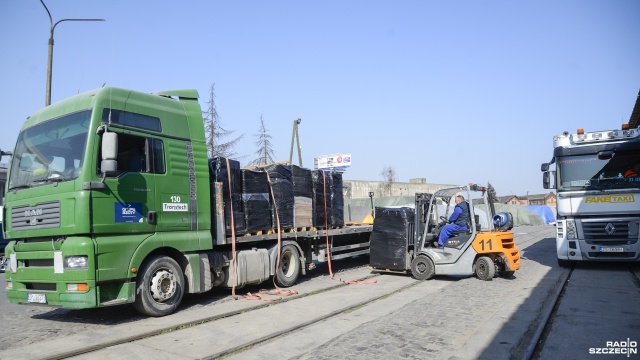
(510,199)
(543,199)
(354,189)
(531,199)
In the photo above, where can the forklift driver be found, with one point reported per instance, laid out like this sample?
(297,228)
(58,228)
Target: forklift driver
(457,221)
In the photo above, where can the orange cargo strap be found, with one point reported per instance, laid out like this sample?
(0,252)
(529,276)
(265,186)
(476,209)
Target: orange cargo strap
(277,291)
(233,235)
(326,232)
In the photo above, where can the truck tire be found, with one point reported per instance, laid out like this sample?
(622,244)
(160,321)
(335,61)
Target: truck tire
(422,268)
(485,268)
(289,269)
(159,286)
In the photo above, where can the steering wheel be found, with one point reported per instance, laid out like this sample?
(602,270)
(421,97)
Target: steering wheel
(443,219)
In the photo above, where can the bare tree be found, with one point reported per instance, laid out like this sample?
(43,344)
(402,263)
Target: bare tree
(265,148)
(214,132)
(389,177)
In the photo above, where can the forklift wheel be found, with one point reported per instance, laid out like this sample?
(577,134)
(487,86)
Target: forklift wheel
(422,268)
(485,268)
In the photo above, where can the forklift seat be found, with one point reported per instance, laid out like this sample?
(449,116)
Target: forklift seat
(468,231)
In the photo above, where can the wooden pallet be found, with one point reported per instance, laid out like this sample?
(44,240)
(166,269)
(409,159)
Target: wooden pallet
(388,270)
(261,232)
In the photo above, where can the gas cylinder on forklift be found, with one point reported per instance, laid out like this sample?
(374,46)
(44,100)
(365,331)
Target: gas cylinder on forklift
(487,246)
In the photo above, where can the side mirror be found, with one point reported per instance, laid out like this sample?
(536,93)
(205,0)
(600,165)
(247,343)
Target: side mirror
(546,181)
(109,164)
(3,153)
(544,167)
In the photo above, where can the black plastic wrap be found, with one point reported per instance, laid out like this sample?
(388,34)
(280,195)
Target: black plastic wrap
(256,202)
(391,236)
(337,201)
(301,179)
(231,193)
(282,185)
(329,188)
(302,193)
(321,198)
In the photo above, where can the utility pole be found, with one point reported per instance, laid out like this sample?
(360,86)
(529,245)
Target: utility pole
(295,136)
(50,60)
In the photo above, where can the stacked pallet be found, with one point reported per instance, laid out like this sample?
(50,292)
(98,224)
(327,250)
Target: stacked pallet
(288,194)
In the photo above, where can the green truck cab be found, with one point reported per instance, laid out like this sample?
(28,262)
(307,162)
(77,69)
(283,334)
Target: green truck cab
(81,233)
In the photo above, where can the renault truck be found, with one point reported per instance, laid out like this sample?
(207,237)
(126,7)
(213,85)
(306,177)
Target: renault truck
(597,179)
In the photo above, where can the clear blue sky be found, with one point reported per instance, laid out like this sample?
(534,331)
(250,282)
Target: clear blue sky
(451,91)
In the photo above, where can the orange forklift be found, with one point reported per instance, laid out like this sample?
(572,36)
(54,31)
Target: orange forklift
(405,238)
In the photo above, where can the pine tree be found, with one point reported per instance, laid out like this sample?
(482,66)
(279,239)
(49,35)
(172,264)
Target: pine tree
(492,193)
(214,132)
(265,150)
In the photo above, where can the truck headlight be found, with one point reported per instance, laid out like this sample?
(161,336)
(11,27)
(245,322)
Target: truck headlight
(76,262)
(571,229)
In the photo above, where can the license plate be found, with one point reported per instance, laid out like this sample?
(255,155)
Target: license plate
(611,249)
(37,298)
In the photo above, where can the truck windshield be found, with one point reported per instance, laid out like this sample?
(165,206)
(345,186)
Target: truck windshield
(52,151)
(621,170)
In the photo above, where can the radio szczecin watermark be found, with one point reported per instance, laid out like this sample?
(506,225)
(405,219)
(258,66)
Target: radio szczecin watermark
(627,347)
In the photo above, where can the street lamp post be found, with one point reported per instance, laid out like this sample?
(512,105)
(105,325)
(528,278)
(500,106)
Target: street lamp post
(50,60)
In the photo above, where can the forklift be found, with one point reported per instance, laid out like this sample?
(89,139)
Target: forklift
(406,239)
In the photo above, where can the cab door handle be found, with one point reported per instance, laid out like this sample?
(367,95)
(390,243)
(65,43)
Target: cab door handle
(152,217)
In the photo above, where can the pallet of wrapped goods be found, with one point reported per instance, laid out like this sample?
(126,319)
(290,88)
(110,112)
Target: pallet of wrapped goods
(231,179)
(336,218)
(283,199)
(302,197)
(392,234)
(321,199)
(256,201)
(328,199)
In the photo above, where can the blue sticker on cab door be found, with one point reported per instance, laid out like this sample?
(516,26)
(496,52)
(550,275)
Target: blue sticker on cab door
(128,212)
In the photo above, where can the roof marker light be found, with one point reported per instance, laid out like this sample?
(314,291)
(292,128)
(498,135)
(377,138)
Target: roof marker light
(580,131)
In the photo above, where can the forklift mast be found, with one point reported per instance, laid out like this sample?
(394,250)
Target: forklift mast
(422,210)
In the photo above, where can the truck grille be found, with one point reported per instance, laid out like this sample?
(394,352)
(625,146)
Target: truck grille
(607,232)
(40,216)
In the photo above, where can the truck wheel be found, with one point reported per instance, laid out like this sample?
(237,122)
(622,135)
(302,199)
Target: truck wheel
(422,268)
(289,268)
(485,268)
(159,287)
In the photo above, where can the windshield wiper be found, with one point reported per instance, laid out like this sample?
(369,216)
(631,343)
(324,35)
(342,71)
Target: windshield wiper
(55,179)
(20,187)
